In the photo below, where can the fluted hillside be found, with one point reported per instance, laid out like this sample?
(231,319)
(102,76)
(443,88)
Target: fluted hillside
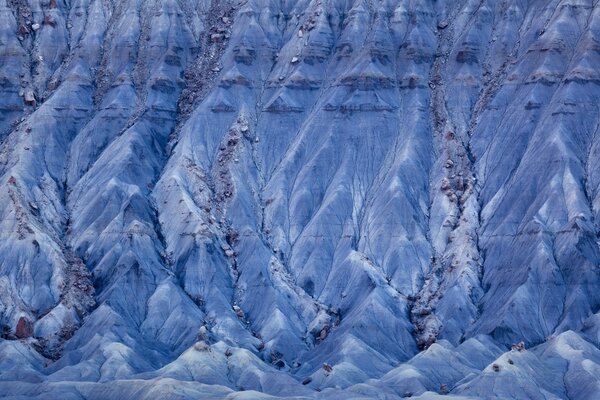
(341,199)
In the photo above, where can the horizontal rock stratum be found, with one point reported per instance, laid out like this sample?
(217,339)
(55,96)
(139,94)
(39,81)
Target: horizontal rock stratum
(337,199)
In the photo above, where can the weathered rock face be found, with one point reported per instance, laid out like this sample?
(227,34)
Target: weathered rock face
(326,198)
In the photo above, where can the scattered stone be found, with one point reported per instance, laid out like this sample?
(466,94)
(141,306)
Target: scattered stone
(201,346)
(496,367)
(327,367)
(443,389)
(445,186)
(425,342)
(518,347)
(323,334)
(24,328)
(217,37)
(443,24)
(23,29)
(238,311)
(29,97)
(49,20)
(202,333)
(35,27)
(306,381)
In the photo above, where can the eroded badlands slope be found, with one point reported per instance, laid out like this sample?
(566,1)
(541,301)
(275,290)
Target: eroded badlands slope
(327,198)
